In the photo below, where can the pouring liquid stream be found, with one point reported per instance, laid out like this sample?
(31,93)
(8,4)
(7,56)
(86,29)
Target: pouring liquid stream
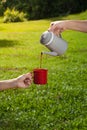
(41,56)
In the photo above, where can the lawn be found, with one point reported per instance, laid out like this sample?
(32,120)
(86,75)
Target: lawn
(61,104)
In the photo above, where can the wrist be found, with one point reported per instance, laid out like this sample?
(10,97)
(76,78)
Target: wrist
(13,83)
(66,24)
(70,24)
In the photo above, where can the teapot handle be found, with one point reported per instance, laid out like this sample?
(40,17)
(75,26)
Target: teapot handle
(59,35)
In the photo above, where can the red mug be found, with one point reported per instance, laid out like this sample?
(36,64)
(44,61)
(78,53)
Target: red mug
(40,76)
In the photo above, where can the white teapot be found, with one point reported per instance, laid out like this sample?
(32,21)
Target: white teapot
(54,43)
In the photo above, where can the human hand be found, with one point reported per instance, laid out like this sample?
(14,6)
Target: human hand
(57,27)
(24,80)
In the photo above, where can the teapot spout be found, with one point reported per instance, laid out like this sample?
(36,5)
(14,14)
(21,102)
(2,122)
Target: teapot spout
(50,53)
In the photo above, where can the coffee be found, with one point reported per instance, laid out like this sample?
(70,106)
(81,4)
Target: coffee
(40,74)
(41,56)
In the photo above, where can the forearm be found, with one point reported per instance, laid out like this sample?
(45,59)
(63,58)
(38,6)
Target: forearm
(78,25)
(7,84)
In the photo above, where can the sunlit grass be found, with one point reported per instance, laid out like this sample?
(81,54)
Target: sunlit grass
(59,105)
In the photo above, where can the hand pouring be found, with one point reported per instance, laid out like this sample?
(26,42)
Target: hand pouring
(54,43)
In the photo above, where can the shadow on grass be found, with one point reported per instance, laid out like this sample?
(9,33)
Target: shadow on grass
(83,50)
(8,43)
(13,69)
(57,18)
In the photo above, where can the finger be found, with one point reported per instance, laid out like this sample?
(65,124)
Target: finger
(30,73)
(27,84)
(28,76)
(52,23)
(28,81)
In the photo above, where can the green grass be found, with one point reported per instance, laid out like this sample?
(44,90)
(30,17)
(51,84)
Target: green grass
(59,105)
